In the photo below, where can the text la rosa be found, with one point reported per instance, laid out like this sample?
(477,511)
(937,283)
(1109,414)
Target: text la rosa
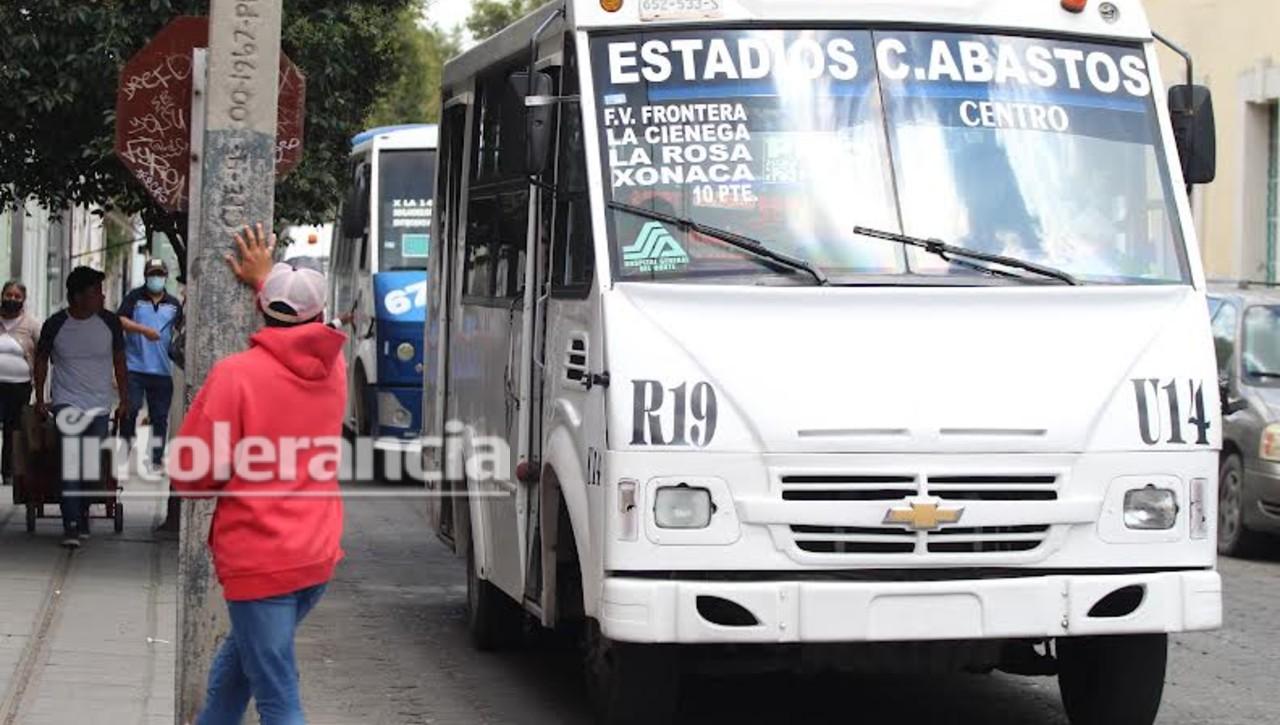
(971,61)
(689,153)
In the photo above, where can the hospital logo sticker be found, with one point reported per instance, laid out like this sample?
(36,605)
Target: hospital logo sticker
(654,250)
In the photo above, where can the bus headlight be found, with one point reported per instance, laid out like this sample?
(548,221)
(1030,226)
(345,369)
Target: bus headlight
(392,413)
(682,507)
(1150,509)
(406,351)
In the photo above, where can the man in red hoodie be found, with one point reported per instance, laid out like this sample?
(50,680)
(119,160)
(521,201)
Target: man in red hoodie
(263,434)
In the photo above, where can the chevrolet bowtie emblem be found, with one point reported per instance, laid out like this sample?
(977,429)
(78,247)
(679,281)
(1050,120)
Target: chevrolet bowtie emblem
(923,516)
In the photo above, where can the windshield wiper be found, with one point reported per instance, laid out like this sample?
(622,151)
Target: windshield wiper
(946,251)
(733,239)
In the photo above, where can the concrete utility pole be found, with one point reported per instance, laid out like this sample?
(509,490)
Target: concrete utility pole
(238,188)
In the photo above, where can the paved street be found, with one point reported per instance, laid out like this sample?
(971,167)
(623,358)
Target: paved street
(388,645)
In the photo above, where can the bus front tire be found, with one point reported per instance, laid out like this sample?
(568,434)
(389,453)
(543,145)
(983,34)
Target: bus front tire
(363,417)
(631,684)
(493,620)
(1112,680)
(365,411)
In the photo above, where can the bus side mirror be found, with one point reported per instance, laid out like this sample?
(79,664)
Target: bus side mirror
(1194,130)
(539,110)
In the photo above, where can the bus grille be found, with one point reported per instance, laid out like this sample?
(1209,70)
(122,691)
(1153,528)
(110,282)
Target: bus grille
(891,539)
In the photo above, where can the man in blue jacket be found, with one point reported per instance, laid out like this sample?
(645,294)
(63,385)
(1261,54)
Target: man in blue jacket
(150,315)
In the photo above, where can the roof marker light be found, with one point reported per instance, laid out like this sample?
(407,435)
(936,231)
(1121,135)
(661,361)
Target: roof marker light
(611,6)
(1074,6)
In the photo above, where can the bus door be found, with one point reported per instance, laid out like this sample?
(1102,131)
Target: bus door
(350,265)
(450,175)
(561,249)
(488,330)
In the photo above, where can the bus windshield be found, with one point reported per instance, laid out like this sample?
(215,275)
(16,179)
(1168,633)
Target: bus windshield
(406,179)
(1047,151)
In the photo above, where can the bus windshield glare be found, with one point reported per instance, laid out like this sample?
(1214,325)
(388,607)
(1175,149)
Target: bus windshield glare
(406,179)
(1048,151)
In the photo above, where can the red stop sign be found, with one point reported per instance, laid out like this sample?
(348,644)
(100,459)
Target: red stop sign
(153,112)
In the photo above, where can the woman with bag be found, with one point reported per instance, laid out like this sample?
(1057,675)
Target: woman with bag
(19,333)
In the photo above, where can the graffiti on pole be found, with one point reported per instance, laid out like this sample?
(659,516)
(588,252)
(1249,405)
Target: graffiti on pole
(153,112)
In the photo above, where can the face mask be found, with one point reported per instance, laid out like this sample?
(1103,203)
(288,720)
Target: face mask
(155,285)
(10,307)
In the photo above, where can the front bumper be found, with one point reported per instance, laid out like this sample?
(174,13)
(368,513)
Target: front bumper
(653,611)
(406,446)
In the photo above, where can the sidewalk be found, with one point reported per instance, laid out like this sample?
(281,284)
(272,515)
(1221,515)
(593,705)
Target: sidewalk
(87,636)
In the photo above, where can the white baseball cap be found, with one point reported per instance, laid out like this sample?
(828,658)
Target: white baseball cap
(302,289)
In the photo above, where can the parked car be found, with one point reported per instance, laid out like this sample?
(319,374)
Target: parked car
(1246,331)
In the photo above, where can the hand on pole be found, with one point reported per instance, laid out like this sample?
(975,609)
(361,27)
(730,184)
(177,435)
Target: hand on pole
(256,256)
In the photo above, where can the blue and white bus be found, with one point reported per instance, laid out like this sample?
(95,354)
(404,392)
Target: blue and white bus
(378,280)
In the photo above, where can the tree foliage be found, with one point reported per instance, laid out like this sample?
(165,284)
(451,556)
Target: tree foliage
(59,66)
(351,52)
(414,96)
(489,16)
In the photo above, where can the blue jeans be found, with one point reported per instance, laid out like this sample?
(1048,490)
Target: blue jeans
(257,659)
(157,390)
(75,512)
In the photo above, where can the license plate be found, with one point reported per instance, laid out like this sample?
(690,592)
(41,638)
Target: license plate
(680,9)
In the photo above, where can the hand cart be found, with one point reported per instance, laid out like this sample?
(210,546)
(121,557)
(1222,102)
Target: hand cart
(37,481)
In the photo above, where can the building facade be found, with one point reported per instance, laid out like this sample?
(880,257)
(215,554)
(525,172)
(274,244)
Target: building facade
(39,249)
(35,247)
(1237,54)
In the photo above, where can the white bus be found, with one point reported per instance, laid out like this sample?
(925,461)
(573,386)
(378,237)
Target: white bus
(867,332)
(378,280)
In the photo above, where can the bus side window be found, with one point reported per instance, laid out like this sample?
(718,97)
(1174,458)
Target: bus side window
(573,251)
(498,203)
(344,245)
(509,255)
(452,131)
(339,267)
(363,177)
(500,117)
(482,217)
